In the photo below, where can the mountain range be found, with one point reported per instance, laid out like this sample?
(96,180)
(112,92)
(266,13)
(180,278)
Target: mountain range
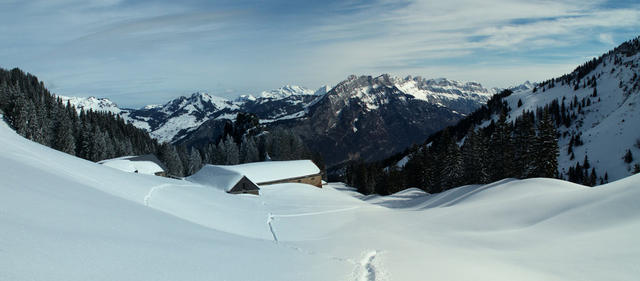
(362,117)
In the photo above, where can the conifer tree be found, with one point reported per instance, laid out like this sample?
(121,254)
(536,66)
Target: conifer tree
(501,150)
(230,150)
(450,175)
(249,151)
(628,156)
(524,146)
(169,156)
(547,148)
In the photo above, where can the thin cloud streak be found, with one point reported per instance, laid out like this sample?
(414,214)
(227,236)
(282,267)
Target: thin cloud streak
(134,51)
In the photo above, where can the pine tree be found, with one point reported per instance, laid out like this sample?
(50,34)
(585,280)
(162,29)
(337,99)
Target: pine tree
(451,164)
(628,156)
(230,150)
(249,151)
(524,143)
(194,162)
(473,155)
(547,148)
(169,156)
(501,150)
(585,162)
(64,136)
(593,177)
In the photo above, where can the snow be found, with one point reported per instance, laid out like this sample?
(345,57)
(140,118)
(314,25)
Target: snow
(126,164)
(267,171)
(217,177)
(63,218)
(402,162)
(287,91)
(285,117)
(435,90)
(91,103)
(609,126)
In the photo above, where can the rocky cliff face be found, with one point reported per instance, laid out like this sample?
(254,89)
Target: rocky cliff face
(369,118)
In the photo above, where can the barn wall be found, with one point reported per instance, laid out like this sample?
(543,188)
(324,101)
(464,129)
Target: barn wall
(315,180)
(244,185)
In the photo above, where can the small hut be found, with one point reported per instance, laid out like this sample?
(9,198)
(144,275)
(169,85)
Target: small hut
(221,178)
(274,172)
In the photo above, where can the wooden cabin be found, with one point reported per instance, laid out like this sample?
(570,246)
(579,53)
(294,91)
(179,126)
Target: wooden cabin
(275,172)
(248,178)
(220,177)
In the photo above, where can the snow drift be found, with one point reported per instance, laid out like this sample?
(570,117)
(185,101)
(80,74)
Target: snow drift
(63,218)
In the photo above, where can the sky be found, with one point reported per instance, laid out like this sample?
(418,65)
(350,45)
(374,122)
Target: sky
(138,52)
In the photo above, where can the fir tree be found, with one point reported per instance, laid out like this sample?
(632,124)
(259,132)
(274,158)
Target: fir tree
(501,150)
(169,156)
(451,172)
(249,151)
(628,156)
(547,148)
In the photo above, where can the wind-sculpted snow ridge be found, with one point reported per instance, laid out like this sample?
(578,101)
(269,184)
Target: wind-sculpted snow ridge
(64,218)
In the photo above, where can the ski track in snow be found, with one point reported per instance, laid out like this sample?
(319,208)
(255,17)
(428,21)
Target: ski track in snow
(271,218)
(366,269)
(150,193)
(273,231)
(314,213)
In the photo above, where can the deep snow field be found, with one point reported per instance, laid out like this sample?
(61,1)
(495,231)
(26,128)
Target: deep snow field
(63,218)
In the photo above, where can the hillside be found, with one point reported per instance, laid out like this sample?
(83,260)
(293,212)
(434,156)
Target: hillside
(594,109)
(369,118)
(64,218)
(604,102)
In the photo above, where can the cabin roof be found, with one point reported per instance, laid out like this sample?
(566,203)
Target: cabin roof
(268,171)
(216,177)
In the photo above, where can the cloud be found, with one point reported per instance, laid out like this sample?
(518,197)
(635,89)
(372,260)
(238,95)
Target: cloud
(606,38)
(159,49)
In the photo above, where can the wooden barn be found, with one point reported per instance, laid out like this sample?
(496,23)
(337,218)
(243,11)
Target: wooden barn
(274,172)
(225,179)
(247,178)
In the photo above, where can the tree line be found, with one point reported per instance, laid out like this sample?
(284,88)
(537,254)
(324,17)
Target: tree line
(525,148)
(36,114)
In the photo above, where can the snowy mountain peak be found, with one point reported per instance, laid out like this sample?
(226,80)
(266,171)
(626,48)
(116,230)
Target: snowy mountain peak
(324,89)
(91,103)
(527,85)
(247,97)
(286,91)
(462,97)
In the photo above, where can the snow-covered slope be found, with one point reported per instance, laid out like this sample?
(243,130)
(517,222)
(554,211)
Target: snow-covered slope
(63,218)
(92,103)
(608,123)
(445,92)
(286,91)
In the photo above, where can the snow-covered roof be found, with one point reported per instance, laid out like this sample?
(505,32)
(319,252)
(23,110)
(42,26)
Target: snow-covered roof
(145,164)
(267,171)
(216,176)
